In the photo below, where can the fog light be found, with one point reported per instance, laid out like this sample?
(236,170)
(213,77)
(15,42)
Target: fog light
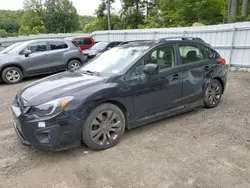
(43,137)
(41,124)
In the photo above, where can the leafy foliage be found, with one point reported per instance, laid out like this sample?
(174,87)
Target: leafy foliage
(31,23)
(58,16)
(3,33)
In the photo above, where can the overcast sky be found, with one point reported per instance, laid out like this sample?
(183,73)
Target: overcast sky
(84,7)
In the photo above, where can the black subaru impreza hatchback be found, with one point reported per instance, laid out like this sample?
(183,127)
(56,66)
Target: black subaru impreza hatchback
(125,87)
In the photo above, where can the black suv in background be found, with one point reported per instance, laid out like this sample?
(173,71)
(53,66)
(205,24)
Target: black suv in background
(39,57)
(125,87)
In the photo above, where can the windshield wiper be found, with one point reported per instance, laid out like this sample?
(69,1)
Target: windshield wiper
(90,72)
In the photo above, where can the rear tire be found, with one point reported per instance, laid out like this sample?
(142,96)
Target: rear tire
(213,94)
(103,127)
(74,64)
(12,75)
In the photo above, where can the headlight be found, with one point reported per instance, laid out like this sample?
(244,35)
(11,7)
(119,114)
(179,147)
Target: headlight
(52,107)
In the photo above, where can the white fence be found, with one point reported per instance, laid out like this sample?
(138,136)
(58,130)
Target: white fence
(232,41)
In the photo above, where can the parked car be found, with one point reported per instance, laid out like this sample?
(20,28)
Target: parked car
(124,87)
(7,49)
(1,48)
(39,57)
(99,48)
(84,42)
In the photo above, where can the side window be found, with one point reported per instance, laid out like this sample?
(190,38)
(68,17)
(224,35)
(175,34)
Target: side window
(78,42)
(113,44)
(210,53)
(57,45)
(163,56)
(190,54)
(65,45)
(137,69)
(87,41)
(37,47)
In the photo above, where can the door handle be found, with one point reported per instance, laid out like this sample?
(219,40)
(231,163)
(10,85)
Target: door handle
(206,68)
(45,54)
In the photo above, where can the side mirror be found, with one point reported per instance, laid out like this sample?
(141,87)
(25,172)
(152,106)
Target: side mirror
(151,69)
(27,53)
(109,48)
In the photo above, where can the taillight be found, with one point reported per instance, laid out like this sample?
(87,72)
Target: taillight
(223,61)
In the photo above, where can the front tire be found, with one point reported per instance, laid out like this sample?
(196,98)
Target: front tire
(103,127)
(213,94)
(12,75)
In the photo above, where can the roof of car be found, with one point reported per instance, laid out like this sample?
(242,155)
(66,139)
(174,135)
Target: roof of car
(42,40)
(77,37)
(170,40)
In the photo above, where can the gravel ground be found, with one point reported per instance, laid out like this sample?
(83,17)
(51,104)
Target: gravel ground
(203,148)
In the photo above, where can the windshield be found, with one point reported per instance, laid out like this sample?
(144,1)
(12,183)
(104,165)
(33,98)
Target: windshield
(115,60)
(99,46)
(6,50)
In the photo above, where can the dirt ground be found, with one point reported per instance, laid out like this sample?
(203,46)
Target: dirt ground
(200,149)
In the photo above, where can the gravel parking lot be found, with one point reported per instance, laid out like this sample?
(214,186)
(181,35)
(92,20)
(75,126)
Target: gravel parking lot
(200,149)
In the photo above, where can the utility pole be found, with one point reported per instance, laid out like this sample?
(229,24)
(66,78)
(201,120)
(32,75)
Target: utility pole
(109,19)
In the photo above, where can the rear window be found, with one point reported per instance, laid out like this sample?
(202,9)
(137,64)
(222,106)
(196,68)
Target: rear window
(57,45)
(210,53)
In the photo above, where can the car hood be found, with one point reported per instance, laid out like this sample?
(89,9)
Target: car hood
(56,86)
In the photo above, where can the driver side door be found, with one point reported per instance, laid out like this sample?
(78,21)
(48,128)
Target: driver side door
(36,62)
(164,91)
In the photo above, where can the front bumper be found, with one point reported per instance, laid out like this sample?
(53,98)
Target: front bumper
(59,132)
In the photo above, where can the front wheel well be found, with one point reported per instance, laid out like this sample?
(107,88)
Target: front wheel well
(75,58)
(11,65)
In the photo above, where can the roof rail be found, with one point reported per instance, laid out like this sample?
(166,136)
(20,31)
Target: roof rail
(181,38)
(133,41)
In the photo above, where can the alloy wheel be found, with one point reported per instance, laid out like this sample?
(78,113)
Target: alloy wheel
(106,128)
(13,76)
(74,65)
(214,93)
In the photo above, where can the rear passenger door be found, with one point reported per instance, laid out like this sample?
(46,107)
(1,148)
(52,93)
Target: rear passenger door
(55,55)
(193,63)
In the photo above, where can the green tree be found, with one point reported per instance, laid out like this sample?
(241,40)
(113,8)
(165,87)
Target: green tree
(60,16)
(31,23)
(84,20)
(3,33)
(10,21)
(132,13)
